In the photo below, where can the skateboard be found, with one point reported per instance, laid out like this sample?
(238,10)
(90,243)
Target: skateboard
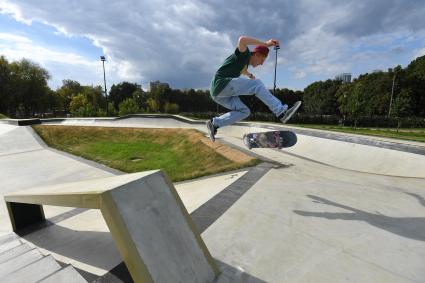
(272,139)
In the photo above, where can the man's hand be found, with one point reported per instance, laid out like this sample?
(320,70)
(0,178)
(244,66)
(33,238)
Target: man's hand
(244,41)
(248,74)
(272,42)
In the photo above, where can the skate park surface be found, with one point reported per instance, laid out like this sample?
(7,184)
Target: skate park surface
(333,208)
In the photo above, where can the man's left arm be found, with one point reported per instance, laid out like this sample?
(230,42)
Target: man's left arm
(248,74)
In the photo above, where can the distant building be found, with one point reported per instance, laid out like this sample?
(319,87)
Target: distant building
(377,71)
(158,84)
(345,77)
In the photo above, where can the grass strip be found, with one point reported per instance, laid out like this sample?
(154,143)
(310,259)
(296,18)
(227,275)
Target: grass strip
(183,154)
(402,134)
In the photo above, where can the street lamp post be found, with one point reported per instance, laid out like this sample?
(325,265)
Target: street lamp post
(277,47)
(392,92)
(102,58)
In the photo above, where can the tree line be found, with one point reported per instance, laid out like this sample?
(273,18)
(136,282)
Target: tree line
(398,92)
(24,93)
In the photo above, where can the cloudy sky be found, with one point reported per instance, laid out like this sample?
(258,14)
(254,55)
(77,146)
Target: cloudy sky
(184,42)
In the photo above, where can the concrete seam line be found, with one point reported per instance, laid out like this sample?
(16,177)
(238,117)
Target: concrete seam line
(213,209)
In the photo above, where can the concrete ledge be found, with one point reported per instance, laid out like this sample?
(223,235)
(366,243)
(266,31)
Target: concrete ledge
(112,119)
(163,116)
(20,122)
(152,229)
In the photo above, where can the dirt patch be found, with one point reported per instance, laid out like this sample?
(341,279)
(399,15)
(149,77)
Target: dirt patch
(226,151)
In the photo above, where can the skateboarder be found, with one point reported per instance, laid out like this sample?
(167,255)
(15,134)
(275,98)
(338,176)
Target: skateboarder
(227,86)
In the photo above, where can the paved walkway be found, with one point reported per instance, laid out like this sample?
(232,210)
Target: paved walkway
(299,222)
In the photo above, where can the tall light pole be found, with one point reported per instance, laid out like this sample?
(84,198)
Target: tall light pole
(392,92)
(277,47)
(102,58)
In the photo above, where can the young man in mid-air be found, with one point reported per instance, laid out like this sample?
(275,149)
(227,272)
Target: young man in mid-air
(227,86)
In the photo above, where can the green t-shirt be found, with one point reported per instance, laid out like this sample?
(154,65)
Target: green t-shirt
(231,68)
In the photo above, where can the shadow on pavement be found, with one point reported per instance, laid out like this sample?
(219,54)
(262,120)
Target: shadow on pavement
(408,227)
(418,197)
(91,245)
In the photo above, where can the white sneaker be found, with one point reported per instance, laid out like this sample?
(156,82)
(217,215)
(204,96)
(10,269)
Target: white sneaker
(285,116)
(212,130)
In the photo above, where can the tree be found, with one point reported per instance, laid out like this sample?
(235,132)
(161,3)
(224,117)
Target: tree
(377,88)
(415,77)
(78,105)
(152,105)
(4,84)
(122,91)
(402,105)
(88,102)
(161,95)
(172,108)
(94,97)
(343,97)
(28,86)
(140,97)
(111,110)
(94,102)
(353,100)
(128,106)
(49,103)
(65,93)
(320,97)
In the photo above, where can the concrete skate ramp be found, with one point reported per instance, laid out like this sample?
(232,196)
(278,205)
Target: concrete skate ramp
(366,154)
(16,139)
(139,120)
(147,220)
(374,158)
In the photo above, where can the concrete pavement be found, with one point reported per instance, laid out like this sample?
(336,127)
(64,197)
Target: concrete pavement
(304,222)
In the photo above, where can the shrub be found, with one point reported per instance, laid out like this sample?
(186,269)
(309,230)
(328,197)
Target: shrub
(172,108)
(128,106)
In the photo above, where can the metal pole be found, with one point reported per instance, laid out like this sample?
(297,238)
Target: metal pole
(275,66)
(104,81)
(392,92)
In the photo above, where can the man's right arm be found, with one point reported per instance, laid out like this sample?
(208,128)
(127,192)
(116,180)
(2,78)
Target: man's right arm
(244,41)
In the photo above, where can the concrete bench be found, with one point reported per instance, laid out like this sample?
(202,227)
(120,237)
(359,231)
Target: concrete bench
(150,225)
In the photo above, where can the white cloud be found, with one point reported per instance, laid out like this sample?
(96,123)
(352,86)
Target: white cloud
(60,64)
(17,47)
(7,7)
(17,39)
(418,53)
(183,42)
(318,52)
(299,74)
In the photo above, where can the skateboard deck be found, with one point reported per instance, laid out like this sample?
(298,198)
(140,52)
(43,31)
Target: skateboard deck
(272,139)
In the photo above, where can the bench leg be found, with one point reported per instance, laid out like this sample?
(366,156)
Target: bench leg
(23,215)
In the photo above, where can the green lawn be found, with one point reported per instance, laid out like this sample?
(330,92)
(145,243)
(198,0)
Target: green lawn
(183,153)
(403,134)
(3,116)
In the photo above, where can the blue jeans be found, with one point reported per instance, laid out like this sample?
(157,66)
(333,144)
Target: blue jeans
(229,98)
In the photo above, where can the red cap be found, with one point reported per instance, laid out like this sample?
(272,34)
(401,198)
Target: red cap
(264,50)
